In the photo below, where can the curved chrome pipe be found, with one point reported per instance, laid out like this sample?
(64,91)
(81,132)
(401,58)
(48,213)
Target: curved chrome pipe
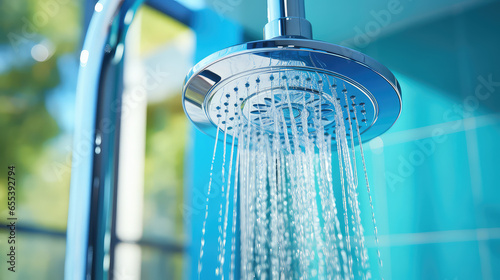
(95,141)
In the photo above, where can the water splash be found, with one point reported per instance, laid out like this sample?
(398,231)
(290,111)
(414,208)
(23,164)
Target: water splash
(285,183)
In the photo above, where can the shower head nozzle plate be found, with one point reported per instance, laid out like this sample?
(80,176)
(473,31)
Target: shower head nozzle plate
(291,83)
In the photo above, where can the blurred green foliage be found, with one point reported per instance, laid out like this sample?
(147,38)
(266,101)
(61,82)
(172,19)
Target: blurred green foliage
(32,139)
(30,20)
(166,136)
(157,29)
(28,130)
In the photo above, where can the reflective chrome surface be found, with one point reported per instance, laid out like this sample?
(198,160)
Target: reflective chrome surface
(90,234)
(287,18)
(212,82)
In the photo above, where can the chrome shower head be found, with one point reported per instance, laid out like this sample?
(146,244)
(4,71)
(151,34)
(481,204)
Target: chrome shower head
(302,79)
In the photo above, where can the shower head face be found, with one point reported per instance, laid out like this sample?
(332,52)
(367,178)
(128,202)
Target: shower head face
(291,86)
(278,99)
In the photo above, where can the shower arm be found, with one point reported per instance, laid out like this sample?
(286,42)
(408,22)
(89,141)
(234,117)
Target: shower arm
(286,18)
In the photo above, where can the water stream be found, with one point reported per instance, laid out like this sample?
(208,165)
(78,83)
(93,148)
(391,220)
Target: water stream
(286,182)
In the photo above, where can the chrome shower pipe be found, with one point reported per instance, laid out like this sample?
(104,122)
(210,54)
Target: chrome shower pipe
(90,232)
(287,18)
(90,235)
